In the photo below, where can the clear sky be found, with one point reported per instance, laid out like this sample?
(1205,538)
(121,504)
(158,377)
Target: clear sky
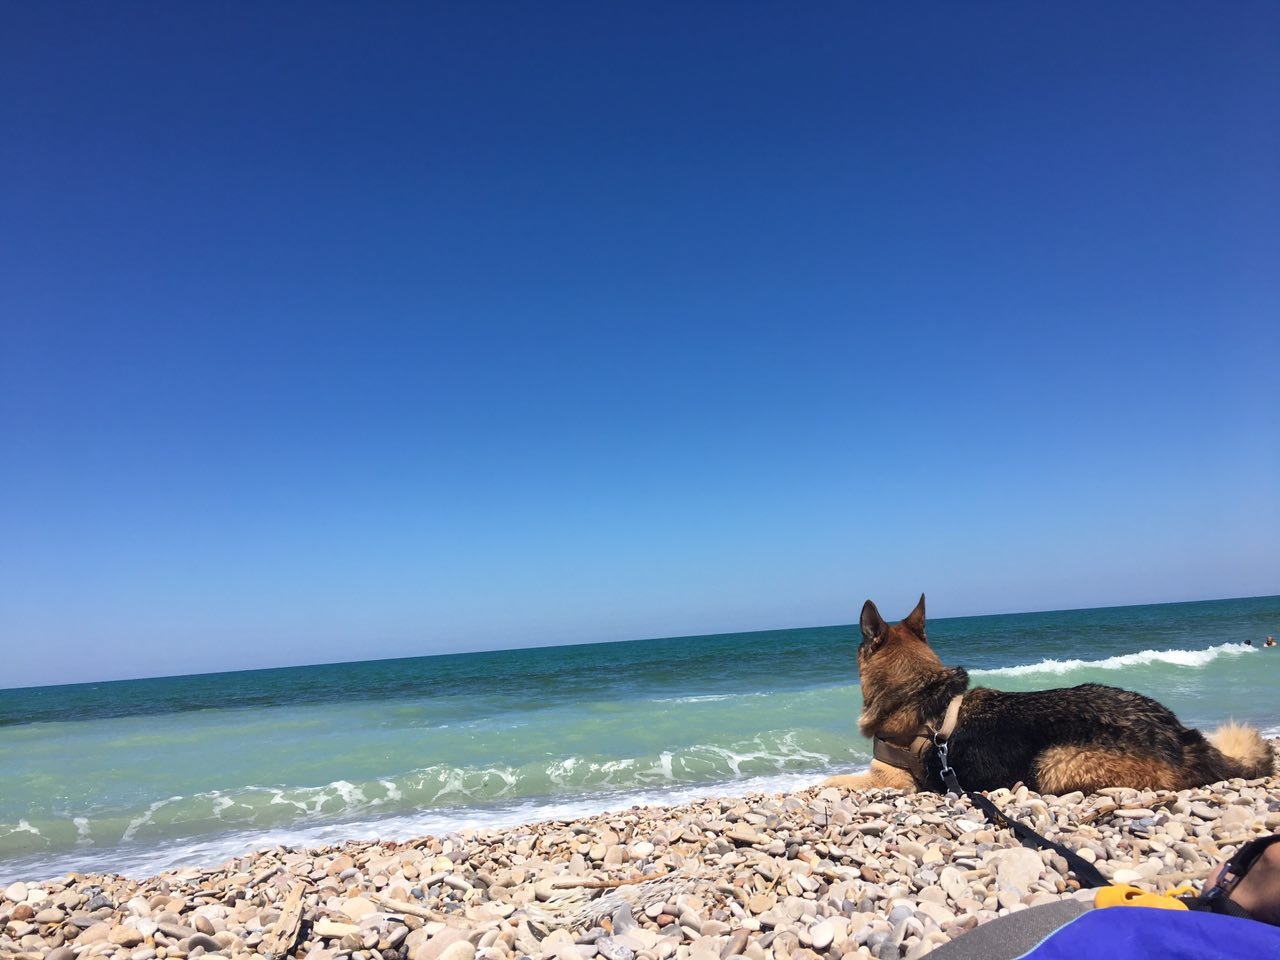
(342,331)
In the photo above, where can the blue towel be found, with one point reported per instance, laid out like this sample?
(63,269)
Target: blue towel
(1147,933)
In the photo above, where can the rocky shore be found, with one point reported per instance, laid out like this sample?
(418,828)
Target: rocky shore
(814,875)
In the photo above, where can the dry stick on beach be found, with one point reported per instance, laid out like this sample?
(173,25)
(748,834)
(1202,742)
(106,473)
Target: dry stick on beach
(1106,809)
(604,884)
(285,933)
(1101,810)
(400,906)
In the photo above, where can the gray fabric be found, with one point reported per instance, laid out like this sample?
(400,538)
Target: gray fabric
(1010,936)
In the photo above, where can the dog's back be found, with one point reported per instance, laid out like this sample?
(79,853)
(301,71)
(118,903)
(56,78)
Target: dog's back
(1092,736)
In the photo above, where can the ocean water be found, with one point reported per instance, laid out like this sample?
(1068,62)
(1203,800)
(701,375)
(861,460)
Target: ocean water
(138,776)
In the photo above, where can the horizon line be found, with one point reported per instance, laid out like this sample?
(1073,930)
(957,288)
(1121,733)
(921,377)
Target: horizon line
(587,643)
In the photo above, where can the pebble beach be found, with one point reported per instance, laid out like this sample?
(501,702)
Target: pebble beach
(817,874)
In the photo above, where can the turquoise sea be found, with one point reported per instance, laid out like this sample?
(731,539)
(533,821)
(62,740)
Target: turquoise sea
(137,776)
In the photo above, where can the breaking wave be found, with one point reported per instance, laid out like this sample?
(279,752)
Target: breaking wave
(1176,658)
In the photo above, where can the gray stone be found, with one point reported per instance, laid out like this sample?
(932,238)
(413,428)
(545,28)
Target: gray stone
(97,902)
(176,931)
(202,940)
(900,913)
(881,944)
(612,949)
(623,919)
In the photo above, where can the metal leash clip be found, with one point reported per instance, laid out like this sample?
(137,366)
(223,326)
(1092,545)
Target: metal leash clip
(941,744)
(947,773)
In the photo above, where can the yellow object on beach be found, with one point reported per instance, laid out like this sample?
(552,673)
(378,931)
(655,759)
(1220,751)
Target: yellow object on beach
(1124,895)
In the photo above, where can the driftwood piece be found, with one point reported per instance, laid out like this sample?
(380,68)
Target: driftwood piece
(603,884)
(281,938)
(401,906)
(1099,811)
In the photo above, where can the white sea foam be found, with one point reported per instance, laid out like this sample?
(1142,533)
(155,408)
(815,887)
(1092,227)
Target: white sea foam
(137,822)
(561,770)
(1177,658)
(665,765)
(352,796)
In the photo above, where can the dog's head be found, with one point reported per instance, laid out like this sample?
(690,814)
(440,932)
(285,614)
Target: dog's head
(902,678)
(904,637)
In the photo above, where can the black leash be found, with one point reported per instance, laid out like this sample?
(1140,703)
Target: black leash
(1085,871)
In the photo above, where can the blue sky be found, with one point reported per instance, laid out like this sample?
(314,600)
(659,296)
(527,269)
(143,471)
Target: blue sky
(334,332)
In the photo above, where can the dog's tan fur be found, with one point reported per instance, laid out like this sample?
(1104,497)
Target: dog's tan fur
(1064,769)
(1243,743)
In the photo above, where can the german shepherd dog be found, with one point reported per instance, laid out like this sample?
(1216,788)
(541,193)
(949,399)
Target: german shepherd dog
(1054,741)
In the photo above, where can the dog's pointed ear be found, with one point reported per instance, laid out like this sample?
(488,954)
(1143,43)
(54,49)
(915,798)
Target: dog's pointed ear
(873,625)
(915,620)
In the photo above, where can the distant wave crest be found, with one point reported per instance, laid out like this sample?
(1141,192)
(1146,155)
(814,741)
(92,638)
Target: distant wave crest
(1177,658)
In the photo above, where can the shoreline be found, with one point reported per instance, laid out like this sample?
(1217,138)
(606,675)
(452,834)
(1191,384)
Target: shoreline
(141,861)
(815,873)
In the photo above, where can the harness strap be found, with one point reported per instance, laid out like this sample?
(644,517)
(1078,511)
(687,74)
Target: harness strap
(949,718)
(910,757)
